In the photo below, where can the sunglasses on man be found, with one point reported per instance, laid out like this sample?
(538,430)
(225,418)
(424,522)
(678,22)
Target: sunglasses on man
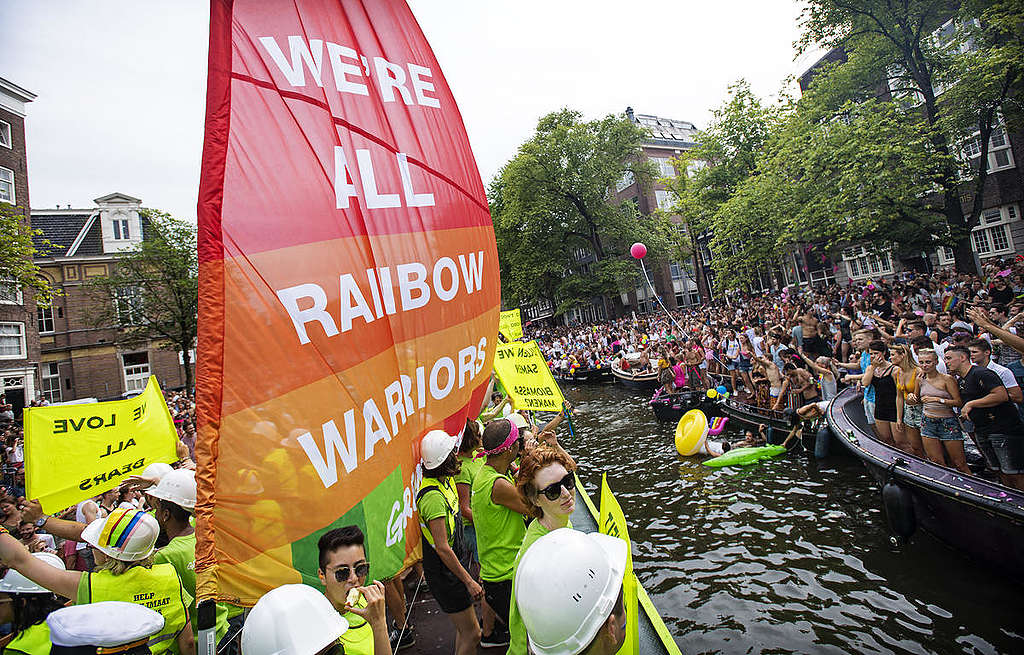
(342,573)
(554,490)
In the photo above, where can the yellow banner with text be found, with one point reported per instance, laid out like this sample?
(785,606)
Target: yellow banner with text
(74,452)
(510,324)
(524,373)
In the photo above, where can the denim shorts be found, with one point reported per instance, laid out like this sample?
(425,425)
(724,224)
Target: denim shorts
(1004,452)
(729,366)
(869,410)
(944,429)
(912,415)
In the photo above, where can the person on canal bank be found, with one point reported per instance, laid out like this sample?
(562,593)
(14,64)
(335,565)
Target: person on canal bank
(342,571)
(498,513)
(122,545)
(293,619)
(861,339)
(569,593)
(25,605)
(998,430)
(941,436)
(110,627)
(547,484)
(445,558)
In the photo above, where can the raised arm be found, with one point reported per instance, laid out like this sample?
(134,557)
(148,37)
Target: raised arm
(15,555)
(1007,337)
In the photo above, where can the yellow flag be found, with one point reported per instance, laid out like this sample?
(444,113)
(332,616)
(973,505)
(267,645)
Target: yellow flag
(74,452)
(613,523)
(510,324)
(524,373)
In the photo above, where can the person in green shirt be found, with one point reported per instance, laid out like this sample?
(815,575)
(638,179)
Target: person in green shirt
(498,514)
(342,571)
(547,484)
(173,500)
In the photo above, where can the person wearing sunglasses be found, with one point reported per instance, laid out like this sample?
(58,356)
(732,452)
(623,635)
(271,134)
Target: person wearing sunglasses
(342,571)
(498,514)
(547,483)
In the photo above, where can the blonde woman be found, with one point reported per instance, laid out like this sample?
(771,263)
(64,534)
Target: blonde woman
(907,430)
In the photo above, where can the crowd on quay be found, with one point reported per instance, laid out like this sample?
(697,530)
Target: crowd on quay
(938,356)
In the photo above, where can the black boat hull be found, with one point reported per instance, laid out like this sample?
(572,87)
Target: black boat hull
(587,376)
(978,517)
(670,408)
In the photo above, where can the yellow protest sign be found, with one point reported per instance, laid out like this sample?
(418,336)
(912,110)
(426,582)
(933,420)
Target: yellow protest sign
(613,523)
(510,324)
(524,373)
(74,452)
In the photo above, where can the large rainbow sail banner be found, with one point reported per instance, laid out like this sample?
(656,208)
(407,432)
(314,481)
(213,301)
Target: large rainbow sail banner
(349,290)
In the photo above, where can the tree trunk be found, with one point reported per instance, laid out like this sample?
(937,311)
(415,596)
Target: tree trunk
(186,358)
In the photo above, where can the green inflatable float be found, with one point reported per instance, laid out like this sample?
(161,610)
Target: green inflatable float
(742,456)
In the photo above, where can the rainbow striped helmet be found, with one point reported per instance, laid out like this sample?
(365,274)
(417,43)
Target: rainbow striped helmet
(126,534)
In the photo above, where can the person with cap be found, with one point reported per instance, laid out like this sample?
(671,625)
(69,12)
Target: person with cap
(569,593)
(445,558)
(123,545)
(293,619)
(173,500)
(498,513)
(110,627)
(342,571)
(25,606)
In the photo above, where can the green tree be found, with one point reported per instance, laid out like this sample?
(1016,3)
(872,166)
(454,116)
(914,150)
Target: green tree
(17,253)
(954,81)
(152,291)
(555,196)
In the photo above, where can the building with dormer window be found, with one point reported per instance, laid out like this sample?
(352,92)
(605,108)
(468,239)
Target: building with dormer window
(78,359)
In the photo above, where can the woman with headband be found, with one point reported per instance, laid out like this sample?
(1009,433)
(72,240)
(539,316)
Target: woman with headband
(498,513)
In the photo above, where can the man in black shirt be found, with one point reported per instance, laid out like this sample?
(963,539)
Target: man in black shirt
(997,425)
(1000,292)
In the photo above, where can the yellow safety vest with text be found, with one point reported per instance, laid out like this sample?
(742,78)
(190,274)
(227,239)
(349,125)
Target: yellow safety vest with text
(157,588)
(358,639)
(451,499)
(33,640)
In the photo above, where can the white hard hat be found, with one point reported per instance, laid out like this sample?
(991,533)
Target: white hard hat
(566,586)
(125,534)
(519,420)
(178,487)
(435,448)
(156,471)
(16,583)
(294,619)
(102,625)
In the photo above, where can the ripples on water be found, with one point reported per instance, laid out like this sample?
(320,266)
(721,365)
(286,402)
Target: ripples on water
(787,556)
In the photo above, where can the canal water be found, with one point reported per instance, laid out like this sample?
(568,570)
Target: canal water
(790,555)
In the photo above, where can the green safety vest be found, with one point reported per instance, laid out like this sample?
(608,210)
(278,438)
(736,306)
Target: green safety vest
(451,500)
(157,588)
(499,530)
(358,639)
(33,640)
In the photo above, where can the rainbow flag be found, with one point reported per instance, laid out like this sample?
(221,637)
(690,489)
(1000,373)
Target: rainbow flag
(949,302)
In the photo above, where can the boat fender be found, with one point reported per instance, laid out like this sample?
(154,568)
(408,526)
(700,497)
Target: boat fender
(821,442)
(899,511)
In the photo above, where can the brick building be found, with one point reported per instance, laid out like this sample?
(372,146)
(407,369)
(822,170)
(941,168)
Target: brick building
(79,359)
(19,340)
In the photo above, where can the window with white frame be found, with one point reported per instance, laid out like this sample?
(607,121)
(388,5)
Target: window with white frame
(7,185)
(127,305)
(665,168)
(44,314)
(136,371)
(5,135)
(1000,155)
(121,228)
(624,181)
(680,299)
(676,270)
(12,341)
(824,276)
(51,382)
(664,200)
(10,293)
(861,263)
(992,235)
(694,297)
(946,256)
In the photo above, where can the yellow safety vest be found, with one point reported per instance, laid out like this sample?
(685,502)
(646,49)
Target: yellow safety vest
(157,588)
(451,499)
(358,639)
(33,640)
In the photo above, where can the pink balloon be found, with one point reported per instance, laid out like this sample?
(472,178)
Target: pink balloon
(638,250)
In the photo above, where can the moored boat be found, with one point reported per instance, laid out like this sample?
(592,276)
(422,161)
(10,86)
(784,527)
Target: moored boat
(645,380)
(671,407)
(580,375)
(981,518)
